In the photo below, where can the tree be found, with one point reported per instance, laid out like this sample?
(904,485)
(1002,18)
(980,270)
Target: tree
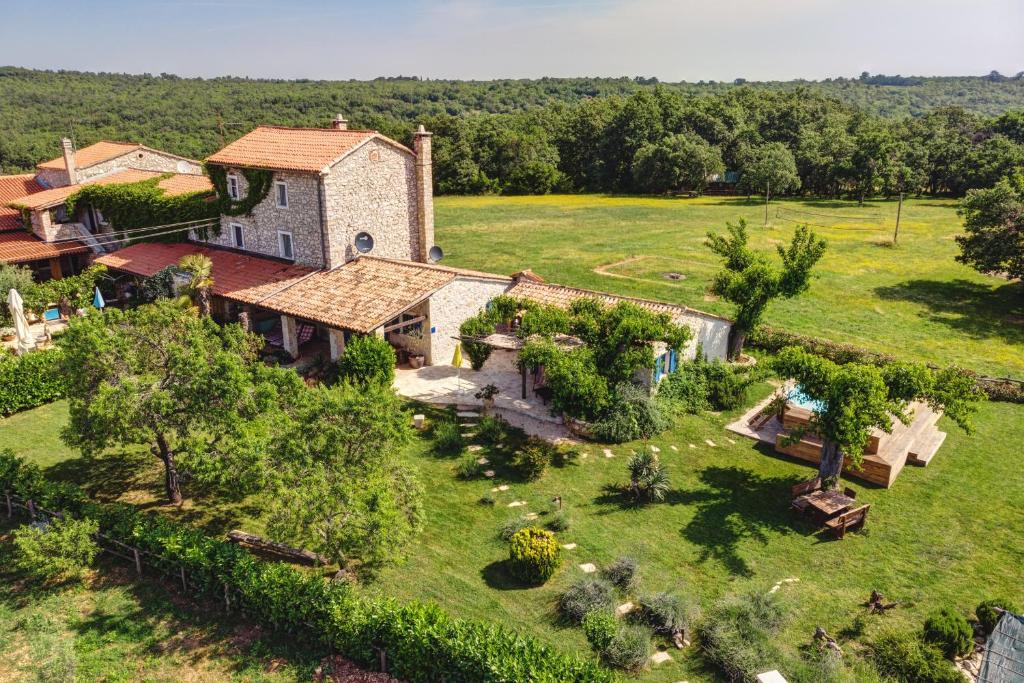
(994,221)
(200,269)
(12,277)
(853,399)
(368,359)
(676,162)
(162,376)
(772,168)
(751,282)
(341,489)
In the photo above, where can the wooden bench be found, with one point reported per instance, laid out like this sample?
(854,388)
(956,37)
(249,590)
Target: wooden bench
(840,523)
(800,491)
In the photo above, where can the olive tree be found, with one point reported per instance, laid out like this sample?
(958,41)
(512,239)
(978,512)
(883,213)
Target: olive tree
(852,399)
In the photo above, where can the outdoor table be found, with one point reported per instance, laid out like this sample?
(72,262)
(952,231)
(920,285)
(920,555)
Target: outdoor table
(828,503)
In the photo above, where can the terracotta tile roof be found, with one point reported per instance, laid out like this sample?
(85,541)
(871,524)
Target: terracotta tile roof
(360,295)
(20,247)
(557,295)
(175,184)
(294,149)
(105,150)
(11,187)
(465,272)
(239,277)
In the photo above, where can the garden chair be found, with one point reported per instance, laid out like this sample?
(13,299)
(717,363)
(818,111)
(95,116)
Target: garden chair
(848,520)
(800,491)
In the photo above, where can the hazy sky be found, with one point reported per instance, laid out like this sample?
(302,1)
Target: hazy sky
(673,40)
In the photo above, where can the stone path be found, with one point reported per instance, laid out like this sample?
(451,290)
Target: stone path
(530,516)
(608,453)
(624,609)
(675,448)
(569,546)
(709,442)
(489,474)
(517,503)
(482,461)
(692,445)
(588,567)
(655,449)
(503,487)
(475,448)
(660,657)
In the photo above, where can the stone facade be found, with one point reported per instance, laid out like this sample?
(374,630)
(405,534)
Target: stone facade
(47,230)
(142,159)
(372,189)
(450,306)
(711,332)
(302,219)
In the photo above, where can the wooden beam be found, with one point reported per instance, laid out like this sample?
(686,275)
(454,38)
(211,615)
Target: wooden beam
(406,323)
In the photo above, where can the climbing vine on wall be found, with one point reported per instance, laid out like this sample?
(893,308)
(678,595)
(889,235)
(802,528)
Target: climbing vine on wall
(259,181)
(144,204)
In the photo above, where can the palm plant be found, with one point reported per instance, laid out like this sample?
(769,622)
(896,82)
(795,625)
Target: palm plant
(648,479)
(200,268)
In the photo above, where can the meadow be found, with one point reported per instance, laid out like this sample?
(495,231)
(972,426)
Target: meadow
(913,299)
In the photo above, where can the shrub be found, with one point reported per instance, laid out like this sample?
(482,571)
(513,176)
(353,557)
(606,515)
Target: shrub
(648,479)
(368,358)
(950,632)
(545,321)
(479,325)
(664,612)
(739,634)
(30,380)
(487,499)
(622,573)
(632,414)
(559,521)
(12,277)
(64,547)
(469,468)
(906,657)
(577,388)
(987,615)
(586,596)
(510,527)
(448,438)
(490,429)
(533,457)
(600,627)
(629,649)
(534,554)
(727,386)
(686,389)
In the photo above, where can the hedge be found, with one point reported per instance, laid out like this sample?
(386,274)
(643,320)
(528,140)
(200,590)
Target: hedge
(773,340)
(30,380)
(422,642)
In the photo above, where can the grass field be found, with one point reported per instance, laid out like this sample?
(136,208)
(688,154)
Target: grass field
(913,300)
(948,534)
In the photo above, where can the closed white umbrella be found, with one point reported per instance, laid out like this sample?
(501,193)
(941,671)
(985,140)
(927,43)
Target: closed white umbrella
(15,304)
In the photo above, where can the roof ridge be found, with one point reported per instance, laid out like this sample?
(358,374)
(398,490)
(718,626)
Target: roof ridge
(435,266)
(682,307)
(319,130)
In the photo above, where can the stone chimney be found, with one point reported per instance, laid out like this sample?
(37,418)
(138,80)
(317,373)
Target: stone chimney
(424,192)
(69,160)
(339,123)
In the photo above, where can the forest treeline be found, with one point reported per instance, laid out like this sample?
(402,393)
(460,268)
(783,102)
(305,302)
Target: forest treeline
(874,135)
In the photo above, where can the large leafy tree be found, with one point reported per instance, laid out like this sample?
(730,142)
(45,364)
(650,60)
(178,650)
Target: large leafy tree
(994,225)
(676,162)
(12,277)
(772,168)
(340,488)
(750,281)
(853,399)
(164,377)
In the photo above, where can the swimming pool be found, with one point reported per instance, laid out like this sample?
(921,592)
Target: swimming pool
(797,397)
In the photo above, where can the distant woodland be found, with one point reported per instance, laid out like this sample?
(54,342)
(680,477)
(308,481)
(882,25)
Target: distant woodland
(867,136)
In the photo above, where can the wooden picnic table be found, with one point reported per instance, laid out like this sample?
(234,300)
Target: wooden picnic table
(828,503)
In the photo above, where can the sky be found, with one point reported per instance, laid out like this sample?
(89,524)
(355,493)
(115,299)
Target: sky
(482,39)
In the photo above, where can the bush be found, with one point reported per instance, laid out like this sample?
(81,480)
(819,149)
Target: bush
(559,521)
(488,499)
(448,438)
(368,358)
(665,613)
(686,389)
(12,277)
(534,554)
(622,573)
(906,657)
(510,527)
(469,468)
(648,479)
(480,325)
(533,457)
(586,596)
(30,380)
(490,429)
(629,649)
(950,632)
(600,627)
(61,548)
(577,388)
(987,615)
(739,635)
(632,414)
(727,386)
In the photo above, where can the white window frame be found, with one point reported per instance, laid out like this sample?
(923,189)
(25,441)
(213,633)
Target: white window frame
(237,235)
(278,184)
(280,244)
(234,189)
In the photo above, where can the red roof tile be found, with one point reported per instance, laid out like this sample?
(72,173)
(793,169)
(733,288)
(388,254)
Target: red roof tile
(175,184)
(294,149)
(12,186)
(105,150)
(21,247)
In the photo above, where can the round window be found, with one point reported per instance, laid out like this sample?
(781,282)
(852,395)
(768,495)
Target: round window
(364,243)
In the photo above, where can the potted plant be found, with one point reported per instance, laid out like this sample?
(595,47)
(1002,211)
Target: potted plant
(487,394)
(416,360)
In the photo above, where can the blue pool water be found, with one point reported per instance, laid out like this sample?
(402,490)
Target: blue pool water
(798,398)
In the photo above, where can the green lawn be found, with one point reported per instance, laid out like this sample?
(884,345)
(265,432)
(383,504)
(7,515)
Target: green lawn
(913,300)
(948,534)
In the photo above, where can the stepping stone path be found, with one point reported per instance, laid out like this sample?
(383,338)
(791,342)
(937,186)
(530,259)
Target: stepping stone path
(489,474)
(584,455)
(709,442)
(730,441)
(530,516)
(660,657)
(692,446)
(468,414)
(475,448)
(588,568)
(569,546)
(517,503)
(482,461)
(608,453)
(624,609)
(675,448)
(655,449)
(779,584)
(503,487)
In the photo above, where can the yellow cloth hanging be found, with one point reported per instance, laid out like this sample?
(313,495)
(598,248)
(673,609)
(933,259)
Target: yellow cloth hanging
(457,358)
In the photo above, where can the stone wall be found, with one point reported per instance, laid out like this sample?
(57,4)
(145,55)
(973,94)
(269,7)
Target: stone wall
(450,306)
(141,159)
(710,332)
(373,190)
(301,218)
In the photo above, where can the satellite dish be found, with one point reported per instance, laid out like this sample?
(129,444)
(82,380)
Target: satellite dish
(364,243)
(435,254)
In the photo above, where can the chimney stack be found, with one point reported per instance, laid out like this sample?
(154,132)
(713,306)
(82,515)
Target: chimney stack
(69,160)
(339,123)
(424,192)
